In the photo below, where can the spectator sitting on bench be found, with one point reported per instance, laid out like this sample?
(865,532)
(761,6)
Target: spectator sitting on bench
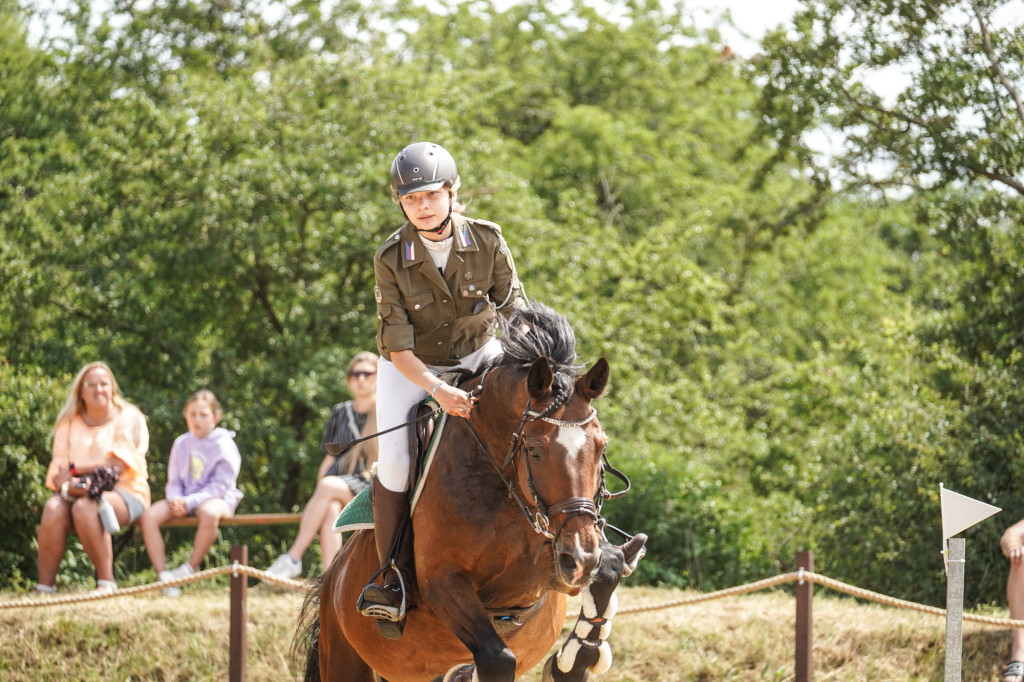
(341,477)
(98,437)
(201,476)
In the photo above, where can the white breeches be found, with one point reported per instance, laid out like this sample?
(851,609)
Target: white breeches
(396,396)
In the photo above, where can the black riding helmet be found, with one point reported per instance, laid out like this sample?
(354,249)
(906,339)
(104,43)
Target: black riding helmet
(423,166)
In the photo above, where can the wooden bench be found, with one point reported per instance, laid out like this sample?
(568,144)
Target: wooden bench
(236,520)
(191,522)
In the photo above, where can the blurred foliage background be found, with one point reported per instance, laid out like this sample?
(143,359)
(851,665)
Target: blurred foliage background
(811,292)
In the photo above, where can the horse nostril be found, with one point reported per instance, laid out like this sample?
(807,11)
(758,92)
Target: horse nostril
(579,566)
(570,567)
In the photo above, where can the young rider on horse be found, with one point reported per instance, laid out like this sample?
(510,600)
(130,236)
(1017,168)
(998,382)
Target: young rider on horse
(441,279)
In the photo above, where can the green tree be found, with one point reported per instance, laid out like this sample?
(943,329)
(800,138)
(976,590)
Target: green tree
(948,130)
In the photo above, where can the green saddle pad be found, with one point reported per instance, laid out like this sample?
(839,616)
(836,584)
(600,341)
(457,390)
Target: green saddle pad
(357,514)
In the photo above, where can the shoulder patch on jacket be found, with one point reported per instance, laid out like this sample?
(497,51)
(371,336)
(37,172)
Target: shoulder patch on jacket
(485,223)
(393,240)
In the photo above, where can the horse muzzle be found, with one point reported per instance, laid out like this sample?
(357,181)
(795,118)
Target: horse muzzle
(577,554)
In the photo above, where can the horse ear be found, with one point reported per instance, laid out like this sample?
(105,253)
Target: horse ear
(538,380)
(592,384)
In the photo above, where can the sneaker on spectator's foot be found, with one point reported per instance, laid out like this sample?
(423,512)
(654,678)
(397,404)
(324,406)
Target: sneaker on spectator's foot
(184,570)
(284,567)
(180,572)
(169,591)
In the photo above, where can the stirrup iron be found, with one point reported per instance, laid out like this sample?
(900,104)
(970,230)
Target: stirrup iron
(394,614)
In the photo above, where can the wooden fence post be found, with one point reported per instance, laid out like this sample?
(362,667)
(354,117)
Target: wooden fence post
(804,621)
(239,615)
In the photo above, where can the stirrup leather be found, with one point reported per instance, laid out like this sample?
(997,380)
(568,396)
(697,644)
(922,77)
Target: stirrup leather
(394,614)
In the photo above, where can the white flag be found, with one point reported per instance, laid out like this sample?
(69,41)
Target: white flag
(960,512)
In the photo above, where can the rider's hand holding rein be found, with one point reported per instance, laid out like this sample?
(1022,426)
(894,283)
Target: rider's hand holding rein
(454,401)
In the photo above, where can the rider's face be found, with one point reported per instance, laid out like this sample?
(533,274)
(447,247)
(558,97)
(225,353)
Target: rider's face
(426,210)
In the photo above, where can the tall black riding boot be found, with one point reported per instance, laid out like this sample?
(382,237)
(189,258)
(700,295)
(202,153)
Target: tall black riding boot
(389,602)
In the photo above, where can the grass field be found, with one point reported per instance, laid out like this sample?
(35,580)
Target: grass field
(747,637)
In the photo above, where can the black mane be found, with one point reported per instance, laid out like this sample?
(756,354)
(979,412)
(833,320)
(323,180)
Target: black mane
(548,335)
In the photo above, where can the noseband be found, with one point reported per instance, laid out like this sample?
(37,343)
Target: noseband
(540,518)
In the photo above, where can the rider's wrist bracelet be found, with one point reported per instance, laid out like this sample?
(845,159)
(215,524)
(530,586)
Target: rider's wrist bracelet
(434,390)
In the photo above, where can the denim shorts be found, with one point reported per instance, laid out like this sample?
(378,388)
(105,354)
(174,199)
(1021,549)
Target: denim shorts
(135,506)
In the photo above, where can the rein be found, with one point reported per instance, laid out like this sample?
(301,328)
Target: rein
(334,448)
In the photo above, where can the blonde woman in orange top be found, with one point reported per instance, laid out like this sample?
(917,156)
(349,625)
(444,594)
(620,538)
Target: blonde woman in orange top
(97,433)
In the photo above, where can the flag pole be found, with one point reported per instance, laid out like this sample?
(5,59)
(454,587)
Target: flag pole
(955,608)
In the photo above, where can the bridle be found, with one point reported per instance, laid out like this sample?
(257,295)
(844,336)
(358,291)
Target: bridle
(540,518)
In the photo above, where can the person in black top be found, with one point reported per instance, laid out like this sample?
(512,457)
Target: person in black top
(341,477)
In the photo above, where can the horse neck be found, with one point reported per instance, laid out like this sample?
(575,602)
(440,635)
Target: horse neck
(500,408)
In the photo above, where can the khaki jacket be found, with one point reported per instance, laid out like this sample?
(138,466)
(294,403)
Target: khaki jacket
(443,318)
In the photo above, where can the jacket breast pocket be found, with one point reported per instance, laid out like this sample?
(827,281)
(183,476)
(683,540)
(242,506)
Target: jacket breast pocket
(419,304)
(474,289)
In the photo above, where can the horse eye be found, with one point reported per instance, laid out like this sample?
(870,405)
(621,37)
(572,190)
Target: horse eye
(533,453)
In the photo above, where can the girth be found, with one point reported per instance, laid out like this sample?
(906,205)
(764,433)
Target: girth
(510,620)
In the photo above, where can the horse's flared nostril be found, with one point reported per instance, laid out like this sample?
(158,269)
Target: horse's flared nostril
(579,566)
(570,568)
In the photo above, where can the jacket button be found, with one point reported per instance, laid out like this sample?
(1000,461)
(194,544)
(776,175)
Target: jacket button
(440,343)
(444,300)
(417,306)
(445,324)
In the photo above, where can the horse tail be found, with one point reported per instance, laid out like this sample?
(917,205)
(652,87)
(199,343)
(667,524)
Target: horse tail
(307,636)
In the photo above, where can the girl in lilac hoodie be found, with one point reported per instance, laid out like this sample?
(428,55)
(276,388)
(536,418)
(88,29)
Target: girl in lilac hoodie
(201,476)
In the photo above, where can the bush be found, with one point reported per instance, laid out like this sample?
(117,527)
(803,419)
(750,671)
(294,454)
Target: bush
(28,405)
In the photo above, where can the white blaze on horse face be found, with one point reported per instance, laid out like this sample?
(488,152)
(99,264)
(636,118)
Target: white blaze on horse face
(572,438)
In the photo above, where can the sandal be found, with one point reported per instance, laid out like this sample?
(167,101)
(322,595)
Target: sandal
(1013,669)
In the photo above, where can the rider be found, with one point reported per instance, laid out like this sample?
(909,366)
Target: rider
(440,280)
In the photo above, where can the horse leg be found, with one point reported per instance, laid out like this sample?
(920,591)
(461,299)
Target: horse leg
(455,602)
(586,650)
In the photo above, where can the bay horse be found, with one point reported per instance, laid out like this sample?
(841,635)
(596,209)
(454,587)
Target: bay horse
(505,526)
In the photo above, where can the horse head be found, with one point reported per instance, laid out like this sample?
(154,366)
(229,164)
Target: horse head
(560,467)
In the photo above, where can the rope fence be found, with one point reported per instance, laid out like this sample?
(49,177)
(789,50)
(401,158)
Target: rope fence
(793,577)
(822,581)
(239,568)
